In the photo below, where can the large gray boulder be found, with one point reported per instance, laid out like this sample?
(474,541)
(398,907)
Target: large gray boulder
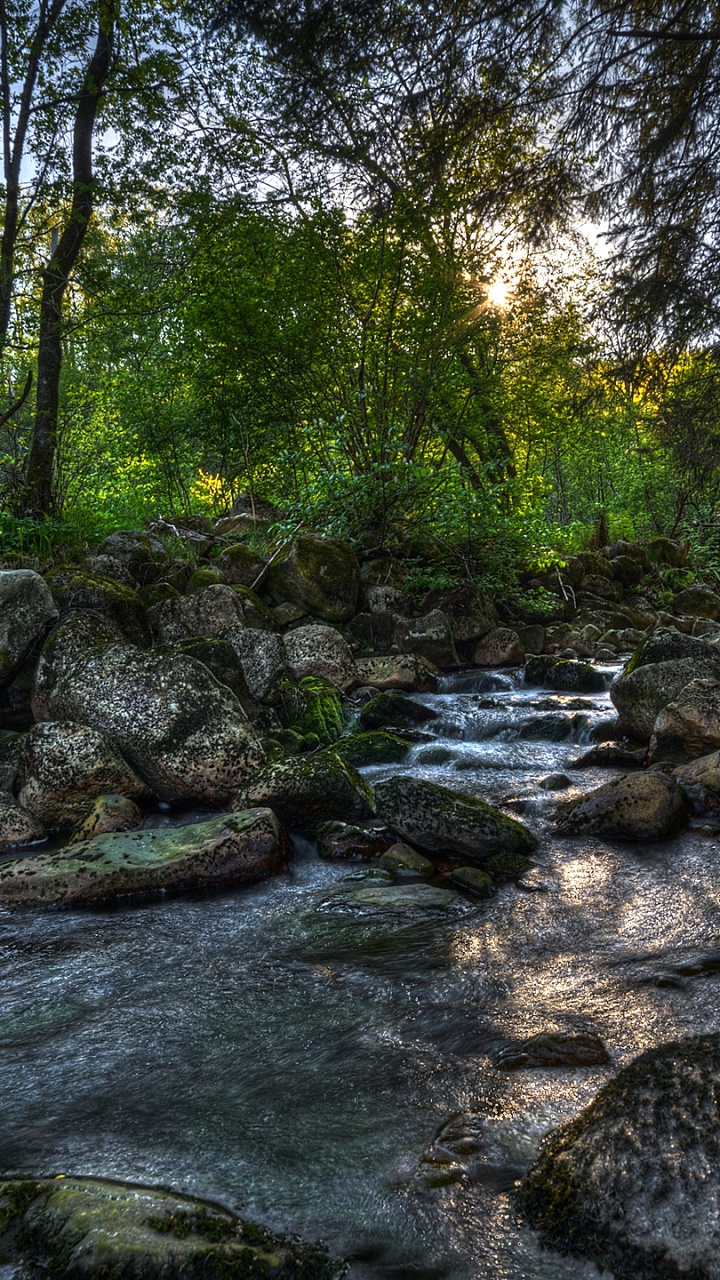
(429,637)
(211,612)
(439,820)
(264,661)
(76,635)
(18,826)
(640,694)
(232,849)
(84,1227)
(698,601)
(316,650)
(308,790)
(26,609)
(689,726)
(183,732)
(75,590)
(65,767)
(633,1182)
(638,806)
(321,574)
(499,648)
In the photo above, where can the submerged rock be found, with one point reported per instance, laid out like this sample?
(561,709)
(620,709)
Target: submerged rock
(26,609)
(232,849)
(439,820)
(553,1049)
(638,806)
(400,857)
(309,789)
(84,1227)
(64,767)
(405,897)
(634,1181)
(183,732)
(474,880)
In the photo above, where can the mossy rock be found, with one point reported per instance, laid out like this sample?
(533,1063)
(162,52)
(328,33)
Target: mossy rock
(564,676)
(220,658)
(311,706)
(255,611)
(158,592)
(474,880)
(320,574)
(307,790)
(361,749)
(240,564)
(439,820)
(74,590)
(508,865)
(401,858)
(201,579)
(87,1227)
(391,709)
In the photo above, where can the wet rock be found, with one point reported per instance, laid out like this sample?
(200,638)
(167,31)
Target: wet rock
(554,782)
(689,726)
(264,662)
(392,710)
(109,813)
(633,1181)
(639,806)
(321,574)
(401,858)
(406,672)
(236,848)
(75,591)
(307,790)
(429,637)
(26,609)
(499,648)
(64,767)
(18,826)
(640,695)
(701,780)
(508,865)
(669,645)
(564,675)
(465,1149)
(320,651)
(184,733)
(212,611)
(439,820)
(474,880)
(405,897)
(240,564)
(75,636)
(553,1049)
(610,756)
(342,841)
(361,749)
(698,601)
(84,1227)
(311,706)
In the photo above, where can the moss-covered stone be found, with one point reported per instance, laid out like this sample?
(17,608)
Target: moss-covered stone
(360,749)
(73,590)
(564,675)
(401,858)
(309,789)
(391,709)
(240,564)
(255,611)
(201,579)
(311,705)
(321,574)
(66,1227)
(474,880)
(236,848)
(439,820)
(508,865)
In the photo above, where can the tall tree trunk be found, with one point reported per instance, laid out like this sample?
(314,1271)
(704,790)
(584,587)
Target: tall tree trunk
(39,491)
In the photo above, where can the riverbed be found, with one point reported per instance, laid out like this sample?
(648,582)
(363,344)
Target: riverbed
(288,1055)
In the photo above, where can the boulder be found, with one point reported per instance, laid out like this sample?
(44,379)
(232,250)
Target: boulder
(628,570)
(376,631)
(467,609)
(109,567)
(564,675)
(132,547)
(264,661)
(667,644)
(235,848)
(26,609)
(407,672)
(260,510)
(18,826)
(700,780)
(10,752)
(240,564)
(666,551)
(553,1049)
(85,1227)
(211,612)
(384,571)
(633,1182)
(638,806)
(401,859)
(309,789)
(374,747)
(393,710)
(201,579)
(74,590)
(317,650)
(312,706)
(109,813)
(183,732)
(499,648)
(255,613)
(219,656)
(429,637)
(388,600)
(689,726)
(698,601)
(76,635)
(438,820)
(64,767)
(343,841)
(321,574)
(641,695)
(474,881)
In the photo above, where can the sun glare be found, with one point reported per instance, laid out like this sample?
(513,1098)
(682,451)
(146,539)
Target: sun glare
(497,294)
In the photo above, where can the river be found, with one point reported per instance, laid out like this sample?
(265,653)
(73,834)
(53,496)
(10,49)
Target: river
(279,1052)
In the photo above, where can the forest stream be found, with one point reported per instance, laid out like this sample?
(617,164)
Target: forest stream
(282,1050)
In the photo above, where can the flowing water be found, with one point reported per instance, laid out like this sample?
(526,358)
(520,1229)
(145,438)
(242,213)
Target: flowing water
(274,1049)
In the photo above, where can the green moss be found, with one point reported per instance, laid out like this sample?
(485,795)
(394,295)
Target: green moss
(312,706)
(508,865)
(361,749)
(201,579)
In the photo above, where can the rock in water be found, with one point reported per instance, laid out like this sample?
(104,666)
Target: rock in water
(634,1181)
(689,726)
(18,826)
(308,790)
(443,821)
(84,1227)
(638,806)
(233,849)
(183,732)
(26,608)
